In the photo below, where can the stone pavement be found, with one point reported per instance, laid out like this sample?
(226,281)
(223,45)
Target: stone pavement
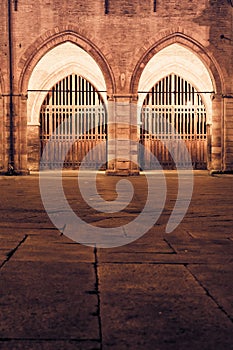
(163,291)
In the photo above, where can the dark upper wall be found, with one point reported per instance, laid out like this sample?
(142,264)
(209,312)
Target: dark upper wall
(124,34)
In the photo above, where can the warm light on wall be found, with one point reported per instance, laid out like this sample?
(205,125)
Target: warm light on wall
(61,61)
(183,62)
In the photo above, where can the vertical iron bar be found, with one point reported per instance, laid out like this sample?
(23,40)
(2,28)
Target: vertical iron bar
(63,92)
(172,88)
(70,88)
(67,90)
(175,89)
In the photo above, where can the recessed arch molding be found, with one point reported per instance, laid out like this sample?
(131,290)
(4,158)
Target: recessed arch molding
(188,43)
(54,38)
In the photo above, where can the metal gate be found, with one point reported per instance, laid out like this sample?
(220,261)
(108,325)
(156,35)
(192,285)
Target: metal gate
(173,110)
(73,114)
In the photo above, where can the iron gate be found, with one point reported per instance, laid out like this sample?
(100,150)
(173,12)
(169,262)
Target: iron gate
(73,114)
(173,111)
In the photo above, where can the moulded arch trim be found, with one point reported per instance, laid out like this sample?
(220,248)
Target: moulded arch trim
(177,59)
(172,56)
(59,62)
(50,40)
(189,44)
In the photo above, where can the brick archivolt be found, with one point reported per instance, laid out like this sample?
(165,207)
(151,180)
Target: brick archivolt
(59,62)
(50,40)
(179,60)
(194,48)
(173,52)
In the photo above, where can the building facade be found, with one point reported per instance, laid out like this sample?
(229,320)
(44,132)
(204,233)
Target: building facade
(126,79)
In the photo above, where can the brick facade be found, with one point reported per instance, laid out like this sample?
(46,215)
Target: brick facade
(122,42)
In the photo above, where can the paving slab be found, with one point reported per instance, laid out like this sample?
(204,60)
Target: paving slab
(203,246)
(179,247)
(218,282)
(22,344)
(53,248)
(158,307)
(11,240)
(48,300)
(163,291)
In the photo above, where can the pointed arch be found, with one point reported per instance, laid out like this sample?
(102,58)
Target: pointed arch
(61,61)
(178,60)
(51,58)
(50,40)
(179,54)
(192,47)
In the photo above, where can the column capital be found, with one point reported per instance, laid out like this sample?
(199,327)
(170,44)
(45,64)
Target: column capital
(123,97)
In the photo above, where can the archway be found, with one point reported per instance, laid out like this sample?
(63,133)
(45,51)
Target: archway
(177,71)
(55,67)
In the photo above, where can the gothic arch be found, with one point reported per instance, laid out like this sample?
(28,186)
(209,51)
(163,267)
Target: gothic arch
(61,61)
(50,40)
(207,76)
(189,44)
(49,61)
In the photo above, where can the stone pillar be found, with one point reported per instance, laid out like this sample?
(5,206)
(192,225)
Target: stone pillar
(13,136)
(228,134)
(209,144)
(23,135)
(6,133)
(33,147)
(3,164)
(122,136)
(216,137)
(20,135)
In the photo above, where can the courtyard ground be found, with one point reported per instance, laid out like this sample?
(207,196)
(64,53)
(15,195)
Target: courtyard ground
(163,291)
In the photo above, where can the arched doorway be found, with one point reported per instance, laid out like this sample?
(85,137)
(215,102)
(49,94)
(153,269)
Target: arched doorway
(55,74)
(173,110)
(74,113)
(183,85)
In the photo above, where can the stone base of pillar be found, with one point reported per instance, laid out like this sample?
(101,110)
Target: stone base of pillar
(122,172)
(14,172)
(33,147)
(121,167)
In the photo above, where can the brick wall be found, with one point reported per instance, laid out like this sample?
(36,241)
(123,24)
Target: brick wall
(123,36)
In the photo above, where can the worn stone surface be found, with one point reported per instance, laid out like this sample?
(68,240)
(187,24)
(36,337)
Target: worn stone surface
(49,345)
(38,248)
(48,300)
(160,307)
(163,291)
(216,279)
